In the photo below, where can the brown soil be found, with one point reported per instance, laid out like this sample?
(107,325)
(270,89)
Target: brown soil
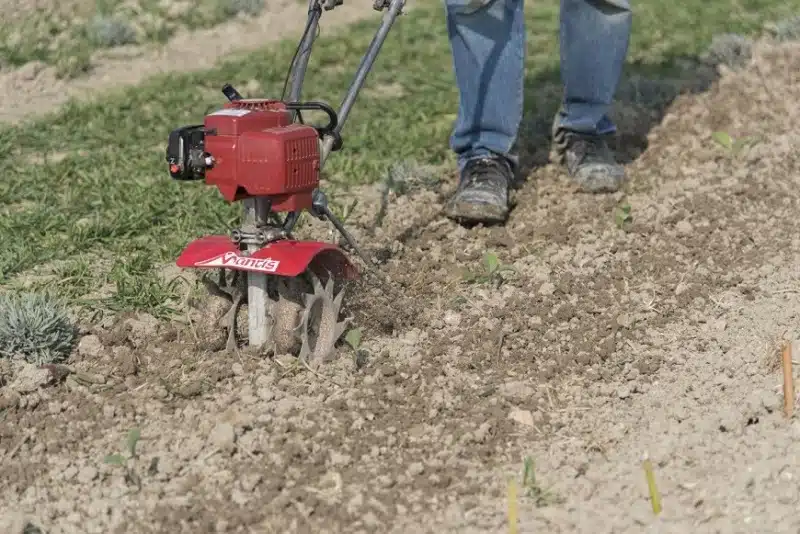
(603,344)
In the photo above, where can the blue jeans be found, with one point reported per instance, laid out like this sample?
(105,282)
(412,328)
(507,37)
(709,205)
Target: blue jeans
(487,38)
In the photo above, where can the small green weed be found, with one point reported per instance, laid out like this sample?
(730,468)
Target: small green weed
(732,145)
(138,287)
(353,338)
(622,216)
(246,7)
(74,63)
(122,461)
(541,496)
(492,272)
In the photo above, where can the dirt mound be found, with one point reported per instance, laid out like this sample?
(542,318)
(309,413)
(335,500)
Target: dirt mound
(588,331)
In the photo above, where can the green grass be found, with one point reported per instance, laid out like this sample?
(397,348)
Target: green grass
(67,37)
(103,210)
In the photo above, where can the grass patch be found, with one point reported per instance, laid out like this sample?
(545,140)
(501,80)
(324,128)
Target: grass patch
(107,193)
(66,36)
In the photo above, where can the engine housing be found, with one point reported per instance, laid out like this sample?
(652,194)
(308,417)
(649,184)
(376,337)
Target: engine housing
(254,149)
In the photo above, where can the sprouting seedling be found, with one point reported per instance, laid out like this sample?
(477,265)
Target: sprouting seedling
(528,475)
(655,496)
(492,271)
(623,216)
(541,496)
(348,210)
(731,144)
(133,438)
(118,459)
(723,139)
(353,338)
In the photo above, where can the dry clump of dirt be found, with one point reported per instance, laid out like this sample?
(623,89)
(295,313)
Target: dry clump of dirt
(608,338)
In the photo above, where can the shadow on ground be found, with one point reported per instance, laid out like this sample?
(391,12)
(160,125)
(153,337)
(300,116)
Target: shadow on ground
(644,94)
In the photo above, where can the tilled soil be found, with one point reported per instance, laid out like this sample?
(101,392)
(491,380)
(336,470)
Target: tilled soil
(607,340)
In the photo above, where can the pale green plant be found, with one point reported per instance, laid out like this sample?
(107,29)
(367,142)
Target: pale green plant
(36,327)
(109,31)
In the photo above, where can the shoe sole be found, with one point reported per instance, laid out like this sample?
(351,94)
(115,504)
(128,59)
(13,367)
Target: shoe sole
(558,157)
(476,213)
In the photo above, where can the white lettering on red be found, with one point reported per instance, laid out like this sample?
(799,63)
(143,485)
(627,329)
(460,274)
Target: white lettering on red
(244,263)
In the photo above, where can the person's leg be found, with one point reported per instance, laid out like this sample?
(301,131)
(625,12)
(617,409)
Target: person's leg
(487,39)
(594,36)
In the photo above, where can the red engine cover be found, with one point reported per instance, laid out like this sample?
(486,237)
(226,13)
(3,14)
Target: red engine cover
(258,152)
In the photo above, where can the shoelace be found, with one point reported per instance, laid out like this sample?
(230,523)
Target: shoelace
(483,173)
(588,149)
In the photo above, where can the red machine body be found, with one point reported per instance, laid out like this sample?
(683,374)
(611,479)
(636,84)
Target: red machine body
(283,258)
(256,150)
(252,148)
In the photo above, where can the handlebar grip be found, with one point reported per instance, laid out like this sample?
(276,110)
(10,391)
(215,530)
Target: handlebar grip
(318,106)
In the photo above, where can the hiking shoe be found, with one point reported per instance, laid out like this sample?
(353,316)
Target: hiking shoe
(482,194)
(589,161)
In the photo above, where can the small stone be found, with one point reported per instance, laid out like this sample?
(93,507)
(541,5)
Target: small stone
(223,437)
(452,318)
(239,497)
(142,328)
(483,432)
(286,406)
(248,399)
(90,346)
(416,469)
(623,392)
(718,325)
(8,400)
(30,402)
(355,504)
(29,71)
(385,481)
(266,394)
(29,378)
(517,390)
(238,369)
(371,520)
(127,361)
(338,458)
(87,474)
(684,227)
(624,320)
(523,417)
(547,289)
(69,472)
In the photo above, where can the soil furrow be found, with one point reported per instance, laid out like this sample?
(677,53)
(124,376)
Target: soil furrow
(611,337)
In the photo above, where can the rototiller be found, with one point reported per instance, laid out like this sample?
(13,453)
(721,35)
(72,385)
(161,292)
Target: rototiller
(262,153)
